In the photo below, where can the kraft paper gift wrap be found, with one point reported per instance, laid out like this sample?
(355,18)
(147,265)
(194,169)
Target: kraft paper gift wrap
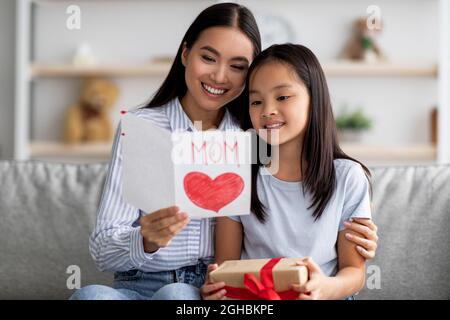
(282,271)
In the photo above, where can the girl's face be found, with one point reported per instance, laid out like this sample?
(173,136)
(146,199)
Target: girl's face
(216,67)
(279,103)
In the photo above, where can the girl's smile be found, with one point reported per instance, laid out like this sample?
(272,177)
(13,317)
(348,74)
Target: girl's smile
(274,125)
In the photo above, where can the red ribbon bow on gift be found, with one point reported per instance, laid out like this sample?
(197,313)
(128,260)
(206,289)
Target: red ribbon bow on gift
(260,290)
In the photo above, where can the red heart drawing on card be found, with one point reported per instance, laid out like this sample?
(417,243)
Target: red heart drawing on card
(212,194)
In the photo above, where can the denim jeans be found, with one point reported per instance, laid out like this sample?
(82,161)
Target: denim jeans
(180,284)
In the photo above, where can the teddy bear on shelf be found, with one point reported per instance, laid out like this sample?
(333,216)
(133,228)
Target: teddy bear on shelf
(362,45)
(89,120)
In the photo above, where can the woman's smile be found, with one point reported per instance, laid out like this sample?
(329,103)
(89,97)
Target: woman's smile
(212,91)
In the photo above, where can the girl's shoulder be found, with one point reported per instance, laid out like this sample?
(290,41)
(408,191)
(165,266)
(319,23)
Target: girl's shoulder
(348,170)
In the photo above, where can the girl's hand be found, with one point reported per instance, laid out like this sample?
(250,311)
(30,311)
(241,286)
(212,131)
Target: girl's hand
(159,228)
(212,291)
(318,286)
(367,241)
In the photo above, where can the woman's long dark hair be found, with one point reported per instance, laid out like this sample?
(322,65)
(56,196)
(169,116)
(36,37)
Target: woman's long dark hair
(320,145)
(221,14)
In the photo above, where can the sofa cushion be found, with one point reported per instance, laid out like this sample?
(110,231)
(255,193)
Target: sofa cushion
(412,211)
(48,210)
(47,213)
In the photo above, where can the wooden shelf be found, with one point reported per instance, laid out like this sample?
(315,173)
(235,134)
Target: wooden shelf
(333,68)
(59,150)
(370,154)
(382,153)
(113,70)
(348,68)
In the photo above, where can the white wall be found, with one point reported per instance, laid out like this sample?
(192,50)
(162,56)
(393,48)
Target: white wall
(119,31)
(7,29)
(400,107)
(135,31)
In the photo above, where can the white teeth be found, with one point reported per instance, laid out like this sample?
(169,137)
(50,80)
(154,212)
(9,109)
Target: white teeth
(274,126)
(213,90)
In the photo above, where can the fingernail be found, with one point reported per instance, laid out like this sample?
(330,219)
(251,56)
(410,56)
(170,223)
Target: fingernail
(346,223)
(359,248)
(348,236)
(183,215)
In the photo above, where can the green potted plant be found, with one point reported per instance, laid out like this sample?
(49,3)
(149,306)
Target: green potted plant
(351,125)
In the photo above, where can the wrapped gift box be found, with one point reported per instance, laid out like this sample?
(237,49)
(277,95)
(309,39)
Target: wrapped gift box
(271,274)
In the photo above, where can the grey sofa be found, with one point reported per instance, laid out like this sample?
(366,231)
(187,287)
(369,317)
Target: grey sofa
(47,212)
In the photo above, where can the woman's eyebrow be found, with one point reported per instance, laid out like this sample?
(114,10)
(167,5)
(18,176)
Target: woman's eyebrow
(217,53)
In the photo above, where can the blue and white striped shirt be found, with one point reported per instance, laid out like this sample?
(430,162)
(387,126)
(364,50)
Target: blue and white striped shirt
(116,243)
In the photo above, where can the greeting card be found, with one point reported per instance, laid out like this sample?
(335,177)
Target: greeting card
(205,173)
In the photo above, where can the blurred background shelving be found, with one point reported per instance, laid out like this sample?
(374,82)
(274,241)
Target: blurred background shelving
(136,70)
(57,151)
(46,83)
(371,154)
(338,68)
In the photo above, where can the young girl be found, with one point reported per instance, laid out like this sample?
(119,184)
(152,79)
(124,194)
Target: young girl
(163,254)
(300,209)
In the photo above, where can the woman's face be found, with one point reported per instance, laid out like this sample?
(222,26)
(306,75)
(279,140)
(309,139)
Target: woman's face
(279,103)
(216,67)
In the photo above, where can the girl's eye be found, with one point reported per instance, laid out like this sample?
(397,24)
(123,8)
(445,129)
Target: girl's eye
(207,58)
(282,98)
(255,103)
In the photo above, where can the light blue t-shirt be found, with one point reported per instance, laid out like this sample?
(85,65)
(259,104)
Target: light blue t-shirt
(290,229)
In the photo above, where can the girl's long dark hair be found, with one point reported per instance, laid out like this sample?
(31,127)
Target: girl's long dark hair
(221,14)
(320,145)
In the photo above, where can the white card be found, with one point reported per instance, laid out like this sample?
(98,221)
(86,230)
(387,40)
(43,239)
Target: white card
(148,171)
(205,173)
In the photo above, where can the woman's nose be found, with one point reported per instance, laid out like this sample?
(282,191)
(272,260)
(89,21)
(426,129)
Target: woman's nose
(219,75)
